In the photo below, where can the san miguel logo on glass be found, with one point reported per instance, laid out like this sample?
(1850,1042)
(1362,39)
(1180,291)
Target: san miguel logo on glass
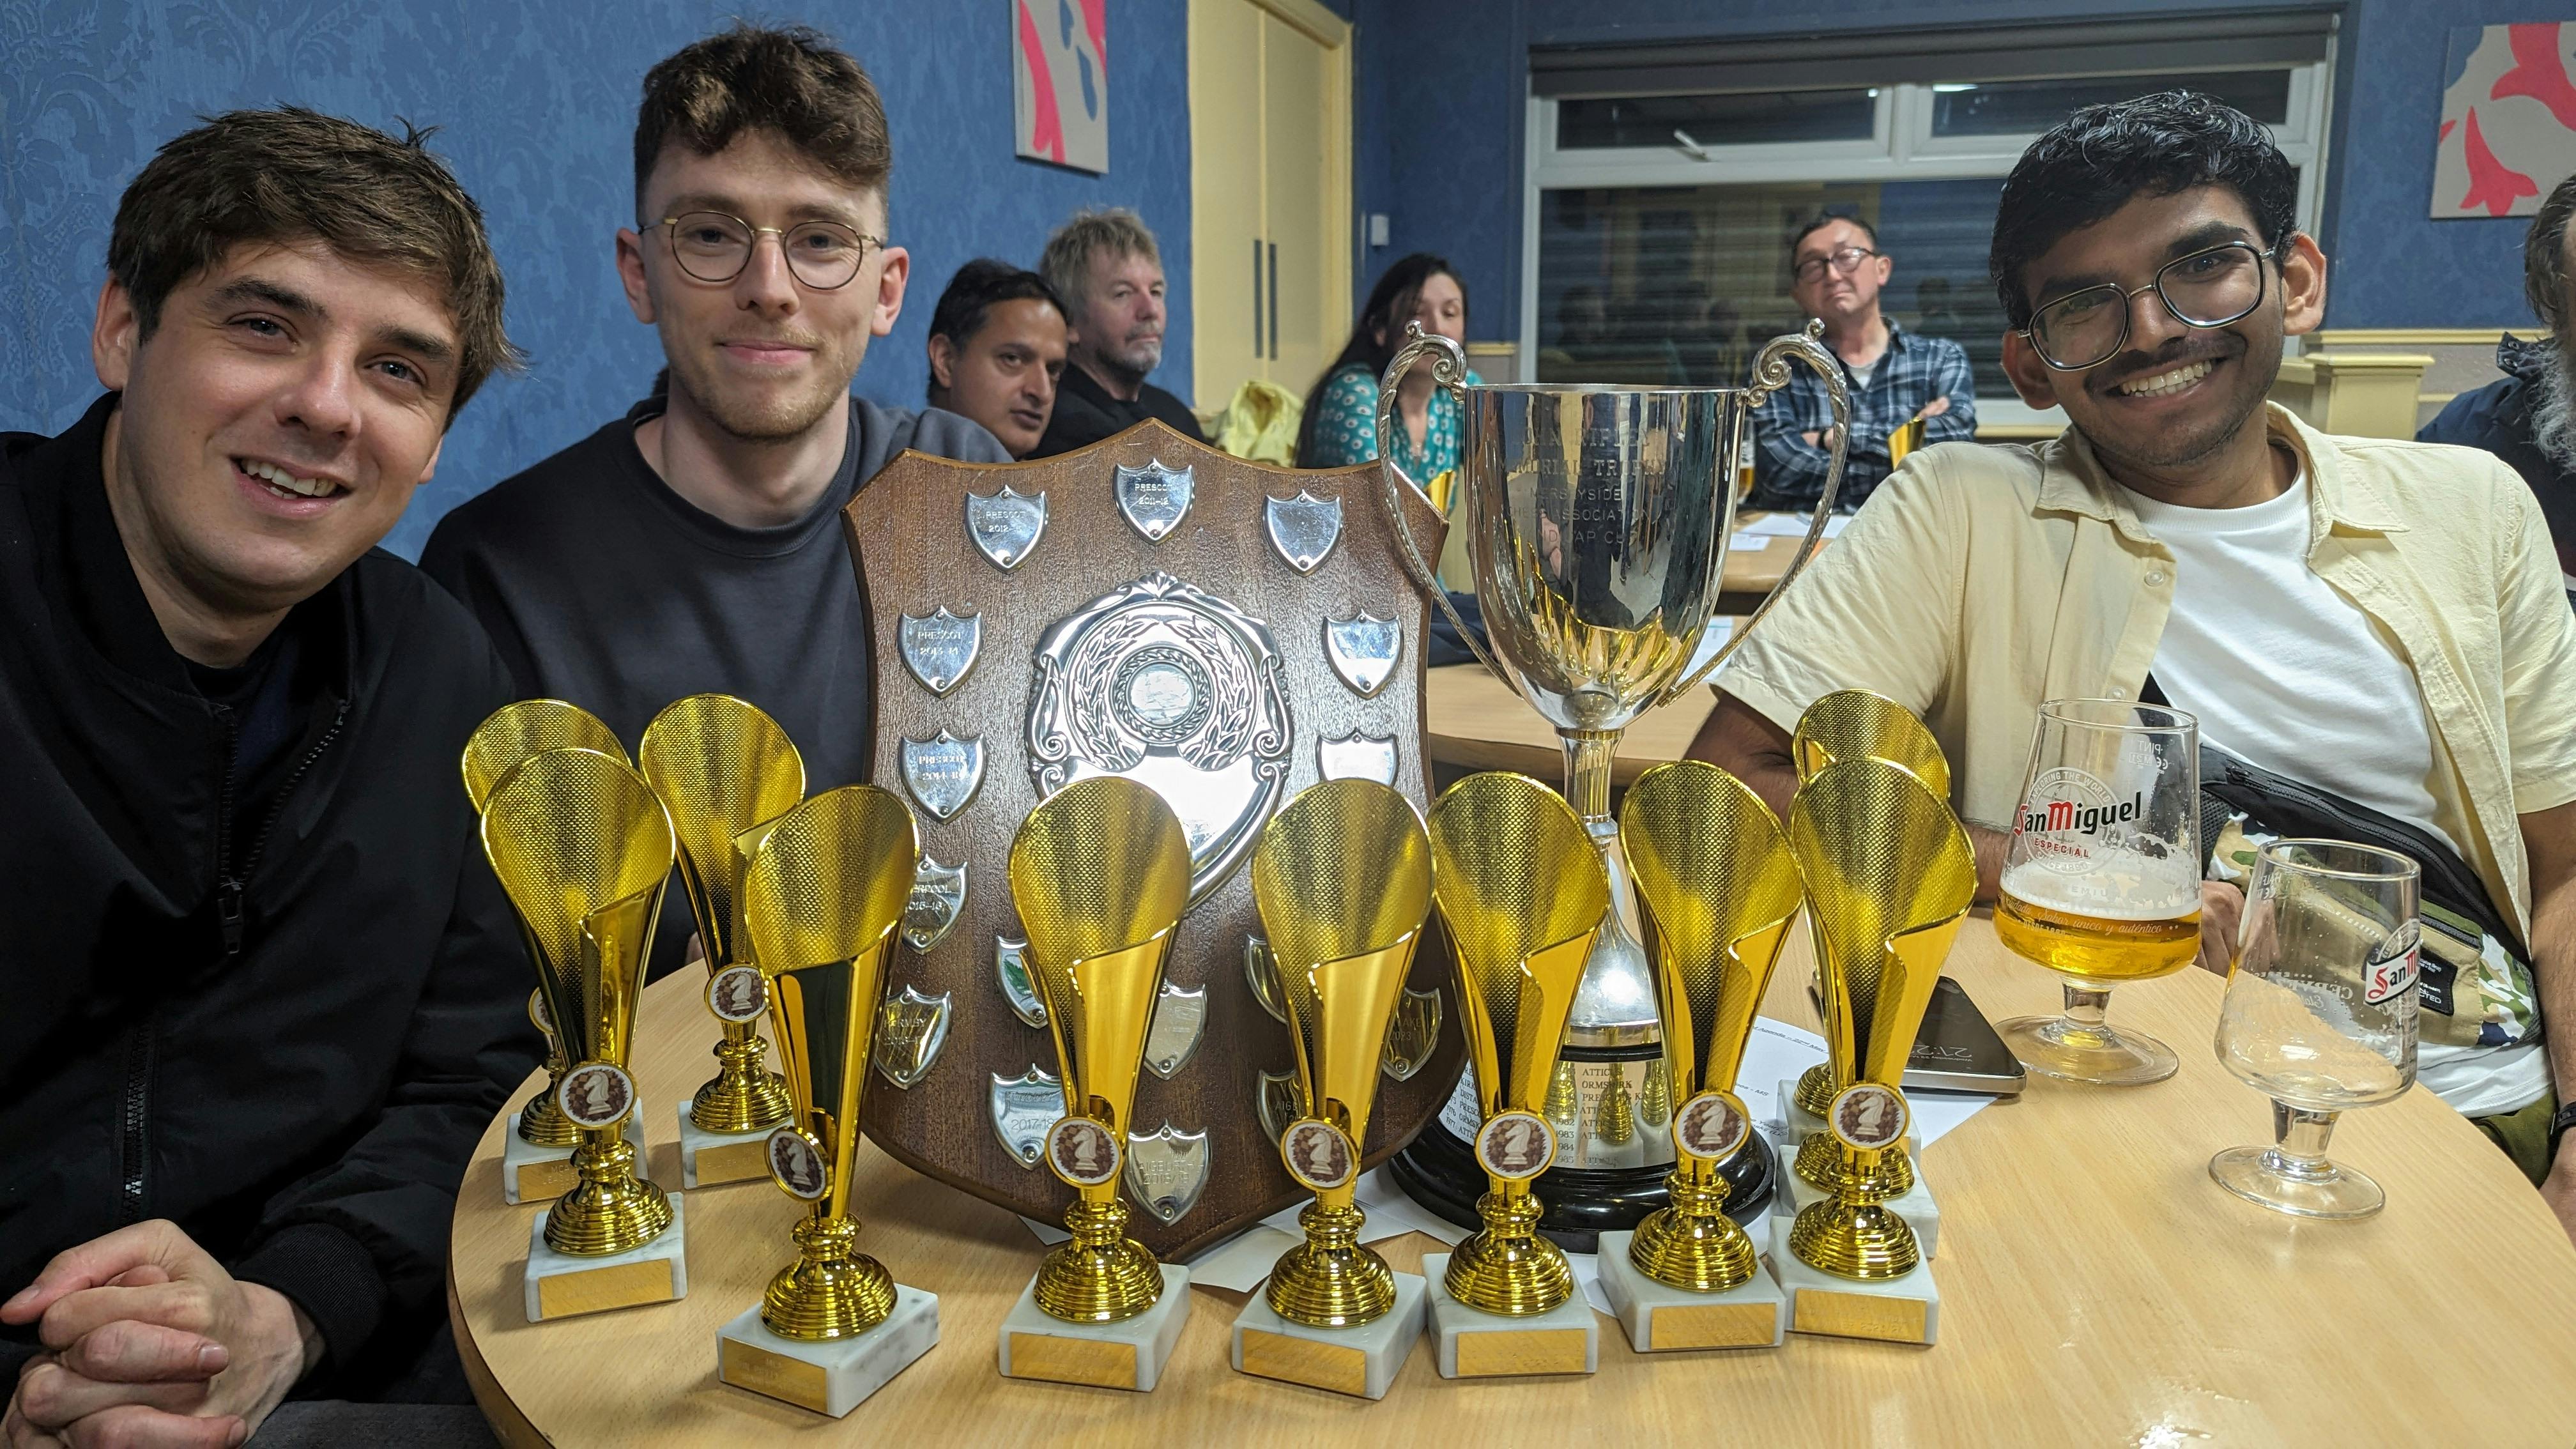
(2071,817)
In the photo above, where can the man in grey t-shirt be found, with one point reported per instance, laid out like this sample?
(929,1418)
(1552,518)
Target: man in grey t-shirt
(692,546)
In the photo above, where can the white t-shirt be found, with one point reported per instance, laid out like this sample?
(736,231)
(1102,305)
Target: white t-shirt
(1862,372)
(2288,674)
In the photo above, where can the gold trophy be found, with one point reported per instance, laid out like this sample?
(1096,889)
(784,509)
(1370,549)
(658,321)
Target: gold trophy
(1100,873)
(1342,879)
(583,848)
(723,768)
(1851,724)
(820,901)
(1523,891)
(1719,888)
(536,1158)
(1889,876)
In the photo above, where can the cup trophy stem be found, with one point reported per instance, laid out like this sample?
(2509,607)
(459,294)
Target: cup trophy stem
(1692,1243)
(832,1290)
(744,1095)
(610,1210)
(1506,1268)
(1102,1275)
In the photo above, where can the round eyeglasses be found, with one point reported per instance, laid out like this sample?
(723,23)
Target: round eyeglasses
(1847,260)
(712,246)
(2207,288)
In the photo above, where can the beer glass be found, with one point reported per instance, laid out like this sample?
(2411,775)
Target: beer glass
(2102,881)
(2320,1015)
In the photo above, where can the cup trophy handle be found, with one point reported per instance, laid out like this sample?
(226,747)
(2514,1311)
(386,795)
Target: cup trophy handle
(1770,373)
(1449,372)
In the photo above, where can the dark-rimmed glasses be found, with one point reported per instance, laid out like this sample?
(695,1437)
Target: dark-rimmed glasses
(1845,260)
(712,246)
(2207,288)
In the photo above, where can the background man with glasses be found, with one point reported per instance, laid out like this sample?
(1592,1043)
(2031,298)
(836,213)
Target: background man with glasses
(1836,271)
(2378,622)
(693,544)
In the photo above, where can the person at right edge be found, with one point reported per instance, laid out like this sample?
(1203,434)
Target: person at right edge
(2528,416)
(2376,627)
(694,544)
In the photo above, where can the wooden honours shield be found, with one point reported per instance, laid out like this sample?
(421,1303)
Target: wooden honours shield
(1224,631)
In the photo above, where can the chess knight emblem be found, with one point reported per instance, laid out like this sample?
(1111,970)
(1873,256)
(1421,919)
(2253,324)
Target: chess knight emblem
(1225,632)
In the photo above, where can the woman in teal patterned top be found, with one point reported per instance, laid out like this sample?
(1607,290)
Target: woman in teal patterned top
(1340,424)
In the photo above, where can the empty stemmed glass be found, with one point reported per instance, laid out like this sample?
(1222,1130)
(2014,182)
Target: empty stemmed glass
(2320,1014)
(2101,883)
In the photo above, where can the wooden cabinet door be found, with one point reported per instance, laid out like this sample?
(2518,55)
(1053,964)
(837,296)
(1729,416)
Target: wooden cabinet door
(1228,263)
(1300,129)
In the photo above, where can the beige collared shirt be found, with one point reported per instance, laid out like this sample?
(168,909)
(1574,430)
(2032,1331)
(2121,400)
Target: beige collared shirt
(1980,580)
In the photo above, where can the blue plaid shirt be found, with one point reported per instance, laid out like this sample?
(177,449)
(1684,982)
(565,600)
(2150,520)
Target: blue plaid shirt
(1789,471)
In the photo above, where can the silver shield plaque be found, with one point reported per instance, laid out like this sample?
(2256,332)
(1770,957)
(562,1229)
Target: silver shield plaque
(1357,756)
(911,1028)
(1179,1017)
(1006,526)
(943,772)
(1411,1034)
(1023,1108)
(1154,499)
(1304,528)
(1363,650)
(938,894)
(1262,975)
(1011,968)
(1167,1170)
(1283,1101)
(941,648)
(1178,690)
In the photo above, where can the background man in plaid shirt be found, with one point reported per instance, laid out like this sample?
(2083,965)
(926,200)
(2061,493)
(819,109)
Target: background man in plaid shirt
(1894,376)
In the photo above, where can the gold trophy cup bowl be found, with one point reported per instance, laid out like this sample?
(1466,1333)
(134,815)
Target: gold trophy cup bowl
(1719,889)
(1889,875)
(1342,878)
(505,737)
(1523,891)
(819,905)
(722,768)
(583,847)
(1852,724)
(1100,873)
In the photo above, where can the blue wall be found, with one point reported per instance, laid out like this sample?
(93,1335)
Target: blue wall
(537,102)
(1441,122)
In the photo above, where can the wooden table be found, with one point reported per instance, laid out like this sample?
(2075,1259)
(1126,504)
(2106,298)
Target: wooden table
(2097,1289)
(1477,722)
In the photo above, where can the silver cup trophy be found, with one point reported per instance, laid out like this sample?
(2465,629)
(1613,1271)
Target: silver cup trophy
(1597,521)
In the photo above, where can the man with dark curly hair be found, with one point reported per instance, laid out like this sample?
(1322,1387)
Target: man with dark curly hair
(2373,626)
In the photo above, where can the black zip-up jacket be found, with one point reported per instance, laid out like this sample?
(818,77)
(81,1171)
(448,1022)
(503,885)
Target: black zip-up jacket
(282,1022)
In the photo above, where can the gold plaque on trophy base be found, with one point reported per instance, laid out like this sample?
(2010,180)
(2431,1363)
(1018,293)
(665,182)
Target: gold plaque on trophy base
(561,1285)
(1127,1353)
(1566,1339)
(1660,1318)
(1300,1361)
(1904,1309)
(831,1376)
(714,1159)
(1362,1359)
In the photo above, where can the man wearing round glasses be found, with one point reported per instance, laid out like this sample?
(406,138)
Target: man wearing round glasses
(1836,273)
(693,545)
(2376,624)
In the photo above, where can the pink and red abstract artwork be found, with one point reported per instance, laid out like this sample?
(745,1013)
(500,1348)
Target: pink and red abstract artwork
(2508,129)
(1060,81)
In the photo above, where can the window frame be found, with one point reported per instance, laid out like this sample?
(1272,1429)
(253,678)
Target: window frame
(1902,147)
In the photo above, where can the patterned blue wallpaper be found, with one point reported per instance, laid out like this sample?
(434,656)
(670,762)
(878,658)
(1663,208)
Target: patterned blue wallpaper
(537,106)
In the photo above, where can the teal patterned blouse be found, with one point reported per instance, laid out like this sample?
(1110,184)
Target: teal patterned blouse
(1346,427)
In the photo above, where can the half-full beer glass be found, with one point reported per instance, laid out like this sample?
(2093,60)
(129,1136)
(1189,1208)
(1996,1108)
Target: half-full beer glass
(1596,524)
(2102,881)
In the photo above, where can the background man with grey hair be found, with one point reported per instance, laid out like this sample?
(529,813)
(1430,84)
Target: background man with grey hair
(1105,266)
(2528,416)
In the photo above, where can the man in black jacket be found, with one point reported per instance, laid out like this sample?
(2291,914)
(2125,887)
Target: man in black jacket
(1105,266)
(262,991)
(2528,416)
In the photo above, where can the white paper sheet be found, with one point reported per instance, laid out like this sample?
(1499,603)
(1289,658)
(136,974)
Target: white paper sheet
(1792,525)
(1749,542)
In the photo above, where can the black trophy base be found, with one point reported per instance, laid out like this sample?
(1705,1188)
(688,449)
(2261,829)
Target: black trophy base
(1580,1204)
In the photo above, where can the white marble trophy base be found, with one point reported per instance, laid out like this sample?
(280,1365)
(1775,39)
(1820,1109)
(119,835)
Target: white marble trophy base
(712,1159)
(1477,1345)
(530,1173)
(1128,1354)
(834,1376)
(1660,1318)
(1893,1310)
(561,1285)
(1916,1205)
(1362,1360)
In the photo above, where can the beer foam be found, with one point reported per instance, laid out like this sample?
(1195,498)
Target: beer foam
(2122,885)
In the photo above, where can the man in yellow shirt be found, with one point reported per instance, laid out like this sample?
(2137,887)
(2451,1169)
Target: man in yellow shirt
(2382,620)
